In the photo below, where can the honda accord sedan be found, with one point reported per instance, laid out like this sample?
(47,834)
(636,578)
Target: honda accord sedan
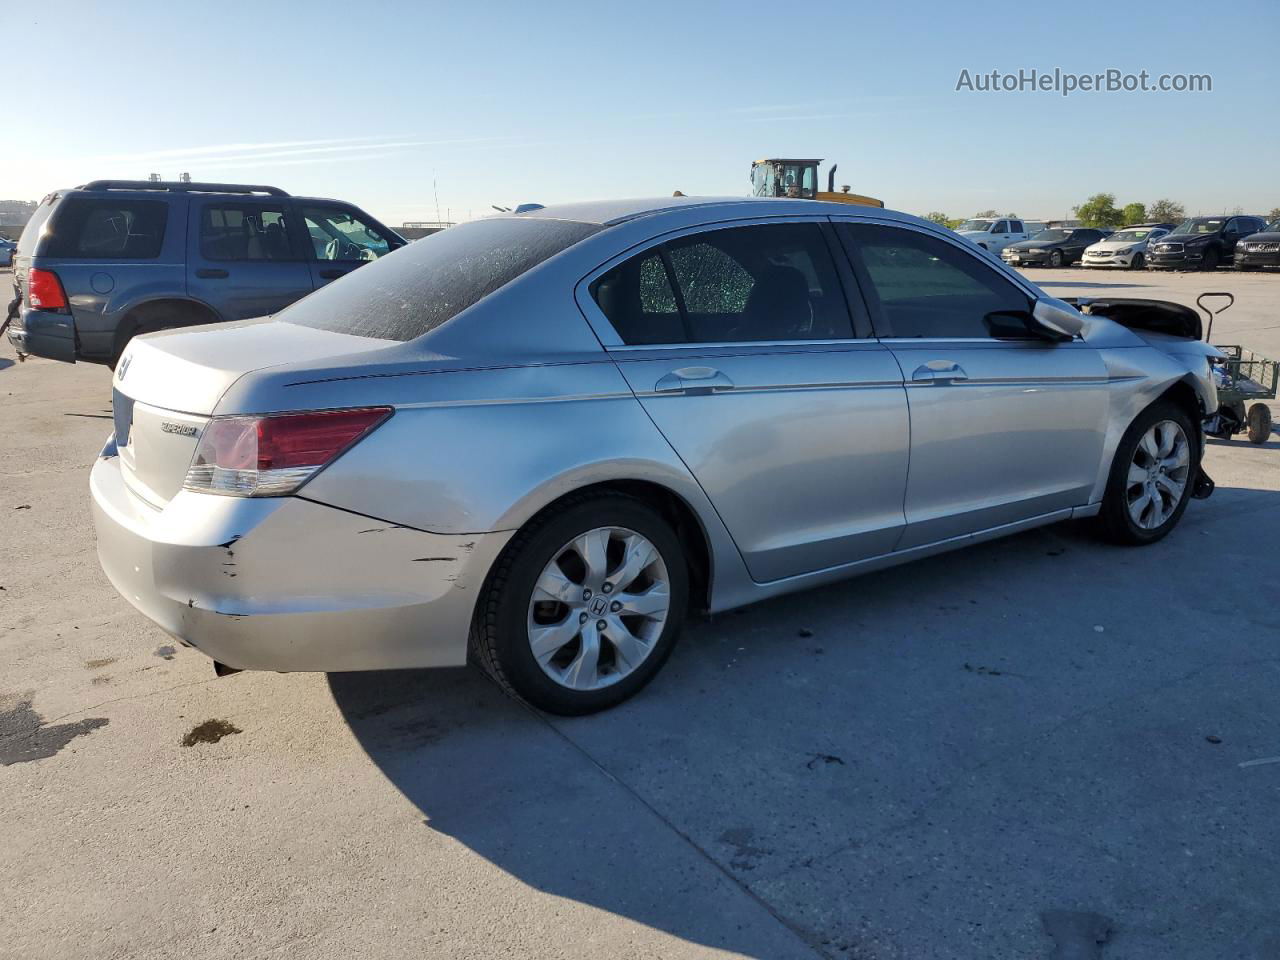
(539,441)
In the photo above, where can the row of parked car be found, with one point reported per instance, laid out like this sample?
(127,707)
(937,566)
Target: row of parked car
(1200,243)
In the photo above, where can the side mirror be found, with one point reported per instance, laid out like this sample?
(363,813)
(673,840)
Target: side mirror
(1056,320)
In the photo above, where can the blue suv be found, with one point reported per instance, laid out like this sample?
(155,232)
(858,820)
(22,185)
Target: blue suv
(106,261)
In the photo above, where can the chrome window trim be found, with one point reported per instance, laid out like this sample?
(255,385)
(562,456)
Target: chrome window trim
(613,343)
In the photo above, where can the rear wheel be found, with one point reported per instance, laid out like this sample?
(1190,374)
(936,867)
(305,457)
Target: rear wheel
(584,606)
(1152,477)
(1259,423)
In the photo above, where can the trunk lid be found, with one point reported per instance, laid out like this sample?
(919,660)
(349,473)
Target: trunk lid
(168,384)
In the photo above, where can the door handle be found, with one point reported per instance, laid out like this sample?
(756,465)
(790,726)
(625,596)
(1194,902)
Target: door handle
(939,371)
(693,380)
(332,274)
(208,273)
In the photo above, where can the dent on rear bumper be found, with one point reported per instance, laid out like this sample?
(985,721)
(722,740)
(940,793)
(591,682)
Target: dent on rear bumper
(288,584)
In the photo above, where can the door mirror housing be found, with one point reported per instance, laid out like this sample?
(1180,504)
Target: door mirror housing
(1056,320)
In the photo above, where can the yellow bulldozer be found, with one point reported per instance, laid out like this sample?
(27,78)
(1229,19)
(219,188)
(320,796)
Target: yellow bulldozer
(780,177)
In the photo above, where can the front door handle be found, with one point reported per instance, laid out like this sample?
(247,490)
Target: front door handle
(939,371)
(209,273)
(693,380)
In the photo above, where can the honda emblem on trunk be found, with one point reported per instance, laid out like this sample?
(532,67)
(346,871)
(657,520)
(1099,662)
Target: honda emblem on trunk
(123,367)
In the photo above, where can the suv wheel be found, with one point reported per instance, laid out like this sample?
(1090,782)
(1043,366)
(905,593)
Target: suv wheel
(584,606)
(1211,259)
(1152,477)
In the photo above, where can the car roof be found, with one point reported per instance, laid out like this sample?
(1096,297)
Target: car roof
(607,213)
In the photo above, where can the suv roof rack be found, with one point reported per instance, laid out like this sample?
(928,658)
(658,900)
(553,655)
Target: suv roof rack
(174,186)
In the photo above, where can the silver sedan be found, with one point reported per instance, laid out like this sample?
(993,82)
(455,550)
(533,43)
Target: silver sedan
(540,440)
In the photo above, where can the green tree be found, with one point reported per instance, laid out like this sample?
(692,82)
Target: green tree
(1274,215)
(1100,211)
(1135,213)
(1166,211)
(987,214)
(938,217)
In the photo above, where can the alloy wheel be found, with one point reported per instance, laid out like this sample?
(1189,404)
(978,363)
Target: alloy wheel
(1158,474)
(598,608)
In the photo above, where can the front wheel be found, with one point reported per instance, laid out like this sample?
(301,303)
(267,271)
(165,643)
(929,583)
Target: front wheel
(1211,259)
(1137,262)
(1055,258)
(584,606)
(1152,477)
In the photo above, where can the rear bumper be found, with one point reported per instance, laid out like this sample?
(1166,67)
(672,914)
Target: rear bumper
(43,333)
(288,584)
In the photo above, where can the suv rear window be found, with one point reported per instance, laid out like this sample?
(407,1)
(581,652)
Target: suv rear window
(432,280)
(107,229)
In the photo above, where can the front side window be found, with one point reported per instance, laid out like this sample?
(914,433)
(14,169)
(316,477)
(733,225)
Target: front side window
(245,231)
(1001,227)
(107,229)
(925,287)
(337,234)
(771,282)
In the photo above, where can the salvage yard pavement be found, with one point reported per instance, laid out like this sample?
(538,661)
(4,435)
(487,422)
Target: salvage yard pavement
(1018,747)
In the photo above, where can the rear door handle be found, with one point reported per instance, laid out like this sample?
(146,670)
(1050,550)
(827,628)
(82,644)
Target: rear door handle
(939,371)
(332,274)
(208,273)
(693,380)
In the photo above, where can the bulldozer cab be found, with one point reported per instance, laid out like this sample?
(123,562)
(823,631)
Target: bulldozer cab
(785,178)
(798,179)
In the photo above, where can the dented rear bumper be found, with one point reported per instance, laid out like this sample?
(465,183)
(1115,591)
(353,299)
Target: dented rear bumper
(289,584)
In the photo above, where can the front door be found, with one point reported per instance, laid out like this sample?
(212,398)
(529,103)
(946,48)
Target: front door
(243,258)
(738,342)
(340,240)
(1004,426)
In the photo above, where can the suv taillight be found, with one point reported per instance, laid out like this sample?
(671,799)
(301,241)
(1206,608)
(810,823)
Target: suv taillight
(272,456)
(44,290)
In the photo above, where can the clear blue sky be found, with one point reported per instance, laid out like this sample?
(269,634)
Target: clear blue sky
(500,103)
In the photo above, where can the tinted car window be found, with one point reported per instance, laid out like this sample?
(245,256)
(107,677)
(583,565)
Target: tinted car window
(337,234)
(640,303)
(109,229)
(1015,226)
(244,231)
(1001,227)
(766,282)
(925,287)
(434,279)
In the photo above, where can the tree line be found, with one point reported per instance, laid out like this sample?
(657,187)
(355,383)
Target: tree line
(1100,210)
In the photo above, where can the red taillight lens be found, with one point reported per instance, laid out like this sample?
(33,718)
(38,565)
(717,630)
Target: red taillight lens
(272,456)
(44,290)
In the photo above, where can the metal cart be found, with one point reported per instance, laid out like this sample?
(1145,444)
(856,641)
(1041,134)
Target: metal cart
(1244,379)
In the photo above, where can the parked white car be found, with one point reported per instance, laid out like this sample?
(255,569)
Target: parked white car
(1125,248)
(994,234)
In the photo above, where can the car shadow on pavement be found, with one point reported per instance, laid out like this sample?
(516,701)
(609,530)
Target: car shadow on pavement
(5,362)
(919,762)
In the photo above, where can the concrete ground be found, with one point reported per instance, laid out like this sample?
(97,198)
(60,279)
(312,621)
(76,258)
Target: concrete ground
(926,762)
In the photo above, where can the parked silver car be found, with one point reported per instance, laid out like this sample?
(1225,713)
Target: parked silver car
(540,439)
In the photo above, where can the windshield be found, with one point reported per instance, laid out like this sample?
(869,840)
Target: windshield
(430,281)
(1049,235)
(1272,227)
(1130,236)
(979,225)
(1201,225)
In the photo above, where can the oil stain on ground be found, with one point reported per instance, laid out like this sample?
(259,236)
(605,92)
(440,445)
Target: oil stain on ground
(25,737)
(211,731)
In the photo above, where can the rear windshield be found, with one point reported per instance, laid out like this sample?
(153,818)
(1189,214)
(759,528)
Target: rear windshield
(31,232)
(107,229)
(403,296)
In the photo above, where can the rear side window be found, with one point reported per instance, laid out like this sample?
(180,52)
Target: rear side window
(925,287)
(737,285)
(107,229)
(432,280)
(245,231)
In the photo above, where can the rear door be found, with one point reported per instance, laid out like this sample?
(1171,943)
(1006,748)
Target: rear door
(1004,426)
(738,342)
(340,238)
(243,255)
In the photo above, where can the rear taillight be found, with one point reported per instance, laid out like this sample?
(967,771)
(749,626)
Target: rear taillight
(274,455)
(44,290)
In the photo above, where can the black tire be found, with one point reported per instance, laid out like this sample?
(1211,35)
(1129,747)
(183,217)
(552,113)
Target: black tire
(1114,522)
(1211,259)
(499,636)
(1259,423)
(1055,258)
(1137,262)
